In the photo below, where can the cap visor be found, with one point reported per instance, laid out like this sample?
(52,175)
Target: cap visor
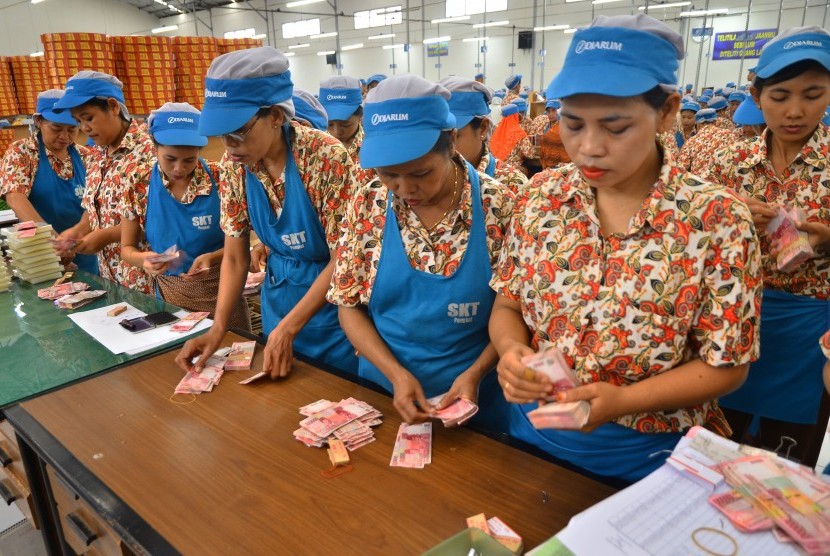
(461,120)
(616,81)
(794,56)
(63,118)
(180,138)
(378,151)
(219,120)
(68,101)
(340,112)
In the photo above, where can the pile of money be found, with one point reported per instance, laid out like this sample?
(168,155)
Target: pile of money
(241,356)
(187,323)
(349,421)
(457,413)
(196,383)
(75,300)
(32,256)
(793,245)
(767,494)
(168,255)
(552,364)
(253,283)
(5,276)
(555,415)
(499,530)
(67,288)
(413,446)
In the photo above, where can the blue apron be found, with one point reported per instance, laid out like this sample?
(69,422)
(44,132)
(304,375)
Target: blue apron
(435,326)
(58,200)
(299,252)
(786,381)
(678,137)
(491,167)
(193,227)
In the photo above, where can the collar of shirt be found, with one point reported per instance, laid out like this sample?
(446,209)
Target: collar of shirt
(576,188)
(485,160)
(354,147)
(200,184)
(814,152)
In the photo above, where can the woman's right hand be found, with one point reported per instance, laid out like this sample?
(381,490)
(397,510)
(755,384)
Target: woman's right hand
(520,383)
(204,346)
(407,393)
(153,269)
(259,257)
(762,212)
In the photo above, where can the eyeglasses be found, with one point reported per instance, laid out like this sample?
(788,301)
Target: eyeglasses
(239,136)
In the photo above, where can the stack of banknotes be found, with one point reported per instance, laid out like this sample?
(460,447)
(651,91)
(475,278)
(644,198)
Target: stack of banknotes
(350,421)
(570,415)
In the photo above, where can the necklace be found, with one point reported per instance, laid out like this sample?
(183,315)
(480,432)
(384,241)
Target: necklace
(452,203)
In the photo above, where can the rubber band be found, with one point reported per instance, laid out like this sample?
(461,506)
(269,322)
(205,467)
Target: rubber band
(182,403)
(724,534)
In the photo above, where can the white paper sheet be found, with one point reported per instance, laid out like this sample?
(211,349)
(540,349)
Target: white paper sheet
(106,330)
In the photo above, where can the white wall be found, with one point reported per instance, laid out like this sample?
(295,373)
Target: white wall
(22,23)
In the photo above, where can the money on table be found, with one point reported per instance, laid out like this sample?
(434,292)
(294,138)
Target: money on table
(241,356)
(413,446)
(348,421)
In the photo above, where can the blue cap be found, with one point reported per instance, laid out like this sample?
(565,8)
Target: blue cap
(500,94)
(376,78)
(176,124)
(731,84)
(748,113)
(709,91)
(717,103)
(524,94)
(521,104)
(468,99)
(632,54)
(706,115)
(737,96)
(553,103)
(509,109)
(308,108)
(239,83)
(363,82)
(792,46)
(402,119)
(691,106)
(704,99)
(513,80)
(46,101)
(341,96)
(826,119)
(87,85)
(689,86)
(478,76)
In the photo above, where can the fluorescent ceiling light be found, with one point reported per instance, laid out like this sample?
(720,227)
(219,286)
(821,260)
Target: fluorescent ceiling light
(391,46)
(165,28)
(665,6)
(162,2)
(290,54)
(492,24)
(260,36)
(605,1)
(301,3)
(437,39)
(325,52)
(324,35)
(38,53)
(552,27)
(378,37)
(572,1)
(698,13)
(570,31)
(352,46)
(475,39)
(451,19)
(293,46)
(36,1)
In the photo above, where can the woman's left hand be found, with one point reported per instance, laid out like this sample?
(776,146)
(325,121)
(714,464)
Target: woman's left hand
(818,235)
(607,402)
(465,386)
(201,264)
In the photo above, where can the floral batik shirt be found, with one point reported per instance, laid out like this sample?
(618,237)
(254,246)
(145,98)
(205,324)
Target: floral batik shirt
(697,153)
(361,174)
(19,165)
(506,174)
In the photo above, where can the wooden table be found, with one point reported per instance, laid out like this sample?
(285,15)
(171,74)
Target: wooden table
(224,475)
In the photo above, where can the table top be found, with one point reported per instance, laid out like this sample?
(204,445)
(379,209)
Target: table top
(43,349)
(223,474)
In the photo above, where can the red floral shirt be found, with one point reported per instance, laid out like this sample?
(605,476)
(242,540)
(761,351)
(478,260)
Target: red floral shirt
(362,175)
(506,174)
(19,165)
(108,177)
(745,167)
(682,283)
(697,153)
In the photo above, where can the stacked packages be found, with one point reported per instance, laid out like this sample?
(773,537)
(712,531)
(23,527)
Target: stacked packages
(33,258)
(193,58)
(229,45)
(8,98)
(6,139)
(147,68)
(5,277)
(68,53)
(30,78)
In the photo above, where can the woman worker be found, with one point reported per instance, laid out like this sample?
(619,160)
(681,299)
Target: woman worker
(470,104)
(124,154)
(42,178)
(787,166)
(414,263)
(552,152)
(687,128)
(342,99)
(177,204)
(645,277)
(289,183)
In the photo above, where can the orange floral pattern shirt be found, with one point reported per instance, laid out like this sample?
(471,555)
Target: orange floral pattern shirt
(438,251)
(108,177)
(698,152)
(682,283)
(745,167)
(325,168)
(506,174)
(19,165)
(361,174)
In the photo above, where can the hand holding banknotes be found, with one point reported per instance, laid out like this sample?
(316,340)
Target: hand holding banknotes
(762,212)
(607,402)
(818,235)
(201,264)
(465,387)
(203,346)
(520,383)
(409,398)
(151,268)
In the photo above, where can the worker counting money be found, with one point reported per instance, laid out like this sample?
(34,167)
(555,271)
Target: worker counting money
(42,178)
(289,183)
(421,241)
(784,173)
(643,276)
(176,206)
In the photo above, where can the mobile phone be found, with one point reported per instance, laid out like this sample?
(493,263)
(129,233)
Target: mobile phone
(161,318)
(148,322)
